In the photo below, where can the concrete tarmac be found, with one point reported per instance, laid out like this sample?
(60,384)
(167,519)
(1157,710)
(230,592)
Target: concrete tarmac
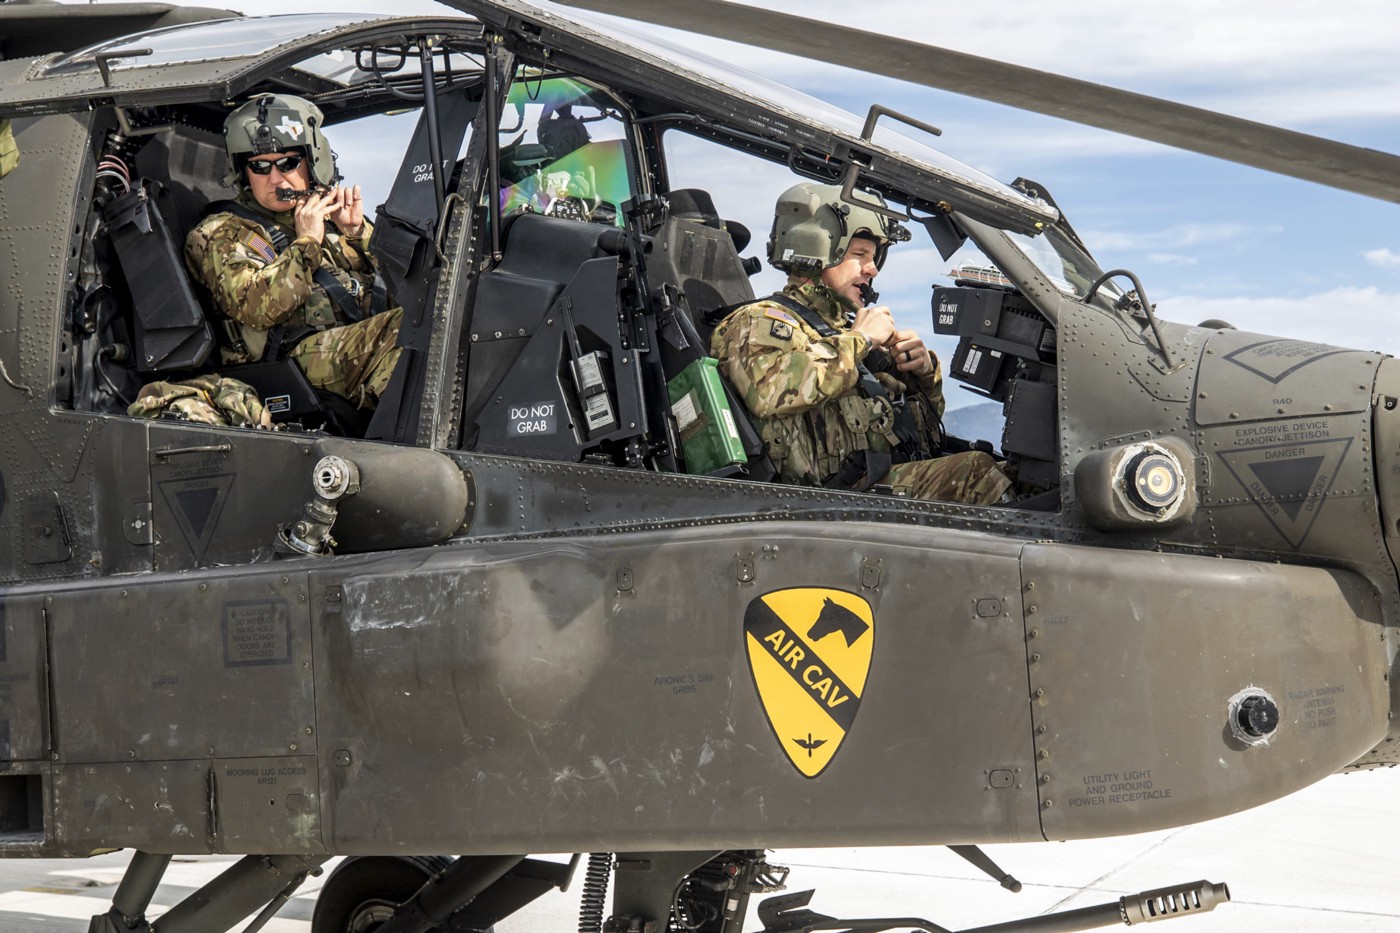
(1325,860)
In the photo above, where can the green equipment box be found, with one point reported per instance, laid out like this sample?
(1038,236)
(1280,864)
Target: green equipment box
(709,438)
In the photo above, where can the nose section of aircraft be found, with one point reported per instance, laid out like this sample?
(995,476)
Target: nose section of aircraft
(1385,427)
(1385,424)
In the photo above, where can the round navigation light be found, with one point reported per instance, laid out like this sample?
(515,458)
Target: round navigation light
(1154,481)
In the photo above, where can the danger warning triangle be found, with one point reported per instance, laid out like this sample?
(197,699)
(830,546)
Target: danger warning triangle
(1289,483)
(195,505)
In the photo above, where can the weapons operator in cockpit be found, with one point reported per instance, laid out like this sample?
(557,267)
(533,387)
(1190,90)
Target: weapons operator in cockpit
(287,261)
(843,398)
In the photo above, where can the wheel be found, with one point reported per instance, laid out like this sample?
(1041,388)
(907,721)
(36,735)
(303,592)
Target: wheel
(363,891)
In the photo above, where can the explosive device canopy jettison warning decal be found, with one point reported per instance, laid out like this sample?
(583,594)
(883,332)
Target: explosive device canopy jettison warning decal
(809,653)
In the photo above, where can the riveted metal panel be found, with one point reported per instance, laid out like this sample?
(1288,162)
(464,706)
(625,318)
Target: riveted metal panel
(122,534)
(45,474)
(218,495)
(1248,377)
(1104,356)
(149,805)
(266,805)
(1135,661)
(1301,485)
(219,667)
(1386,430)
(23,688)
(562,694)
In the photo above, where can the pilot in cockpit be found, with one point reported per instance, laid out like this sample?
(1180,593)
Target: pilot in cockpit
(288,263)
(841,396)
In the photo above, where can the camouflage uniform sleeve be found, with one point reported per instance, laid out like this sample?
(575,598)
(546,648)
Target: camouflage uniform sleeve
(248,281)
(355,250)
(931,386)
(9,149)
(778,367)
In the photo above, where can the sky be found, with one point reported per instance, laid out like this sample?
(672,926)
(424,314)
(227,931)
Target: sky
(1207,238)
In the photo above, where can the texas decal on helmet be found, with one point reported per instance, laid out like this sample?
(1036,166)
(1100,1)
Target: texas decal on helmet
(809,652)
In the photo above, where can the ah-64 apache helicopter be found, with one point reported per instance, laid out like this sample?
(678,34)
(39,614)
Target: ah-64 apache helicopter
(523,610)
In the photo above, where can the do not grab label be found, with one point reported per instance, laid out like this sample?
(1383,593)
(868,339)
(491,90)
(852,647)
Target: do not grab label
(536,418)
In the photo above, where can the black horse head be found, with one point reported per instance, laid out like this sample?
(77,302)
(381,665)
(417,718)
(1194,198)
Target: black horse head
(837,618)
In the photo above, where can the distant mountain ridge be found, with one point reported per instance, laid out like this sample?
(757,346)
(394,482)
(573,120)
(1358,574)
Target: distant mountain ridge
(983,421)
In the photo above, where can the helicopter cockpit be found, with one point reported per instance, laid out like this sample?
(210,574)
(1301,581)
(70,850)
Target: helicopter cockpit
(566,318)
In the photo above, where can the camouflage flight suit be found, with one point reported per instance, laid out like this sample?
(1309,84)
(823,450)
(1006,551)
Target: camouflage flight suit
(803,390)
(9,149)
(207,399)
(260,290)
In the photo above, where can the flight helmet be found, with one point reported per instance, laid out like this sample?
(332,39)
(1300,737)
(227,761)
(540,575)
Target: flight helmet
(278,123)
(812,227)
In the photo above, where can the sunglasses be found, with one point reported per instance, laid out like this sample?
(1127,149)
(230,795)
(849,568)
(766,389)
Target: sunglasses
(285,165)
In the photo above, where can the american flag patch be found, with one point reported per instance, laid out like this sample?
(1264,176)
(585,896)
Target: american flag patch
(778,314)
(259,245)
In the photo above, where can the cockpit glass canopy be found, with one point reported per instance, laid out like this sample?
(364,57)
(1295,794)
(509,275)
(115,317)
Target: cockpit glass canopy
(1068,267)
(209,41)
(804,109)
(563,150)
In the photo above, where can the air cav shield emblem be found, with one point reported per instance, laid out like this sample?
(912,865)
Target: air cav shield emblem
(809,652)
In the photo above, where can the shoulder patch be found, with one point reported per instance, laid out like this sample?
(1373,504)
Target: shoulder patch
(778,314)
(258,244)
(781,331)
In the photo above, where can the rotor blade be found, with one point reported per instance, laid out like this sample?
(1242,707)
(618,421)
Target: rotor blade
(1339,165)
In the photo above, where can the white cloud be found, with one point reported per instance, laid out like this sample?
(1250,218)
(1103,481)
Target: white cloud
(1176,237)
(1172,259)
(1384,257)
(1346,316)
(1196,40)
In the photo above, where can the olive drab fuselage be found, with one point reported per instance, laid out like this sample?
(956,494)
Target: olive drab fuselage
(219,639)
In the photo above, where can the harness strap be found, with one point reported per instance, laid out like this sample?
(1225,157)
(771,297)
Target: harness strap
(860,470)
(905,428)
(869,385)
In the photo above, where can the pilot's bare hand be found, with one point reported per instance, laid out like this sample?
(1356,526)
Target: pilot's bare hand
(311,212)
(350,215)
(910,354)
(876,323)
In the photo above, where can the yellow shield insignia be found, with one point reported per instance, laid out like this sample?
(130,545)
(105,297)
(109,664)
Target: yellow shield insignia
(809,653)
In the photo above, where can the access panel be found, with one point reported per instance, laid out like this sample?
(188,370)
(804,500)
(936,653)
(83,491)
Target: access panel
(1170,689)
